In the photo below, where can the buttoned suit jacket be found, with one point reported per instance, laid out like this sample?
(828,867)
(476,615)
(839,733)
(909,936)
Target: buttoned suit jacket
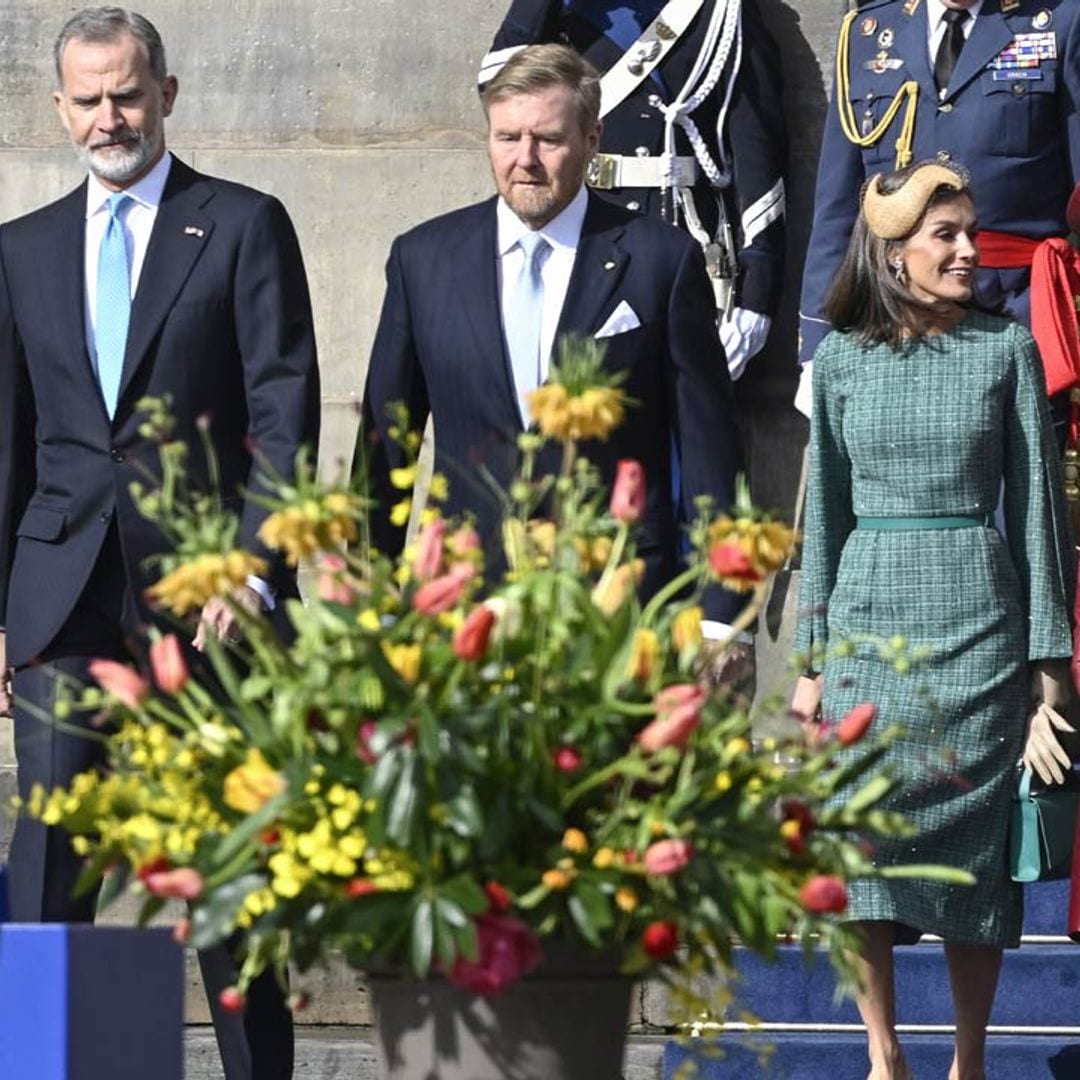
(755,136)
(440,349)
(1018,138)
(220,323)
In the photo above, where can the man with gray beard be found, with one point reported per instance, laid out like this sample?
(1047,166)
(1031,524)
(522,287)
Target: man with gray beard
(148,280)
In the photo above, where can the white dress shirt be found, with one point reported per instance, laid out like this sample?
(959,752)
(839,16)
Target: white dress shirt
(935,25)
(138,217)
(562,232)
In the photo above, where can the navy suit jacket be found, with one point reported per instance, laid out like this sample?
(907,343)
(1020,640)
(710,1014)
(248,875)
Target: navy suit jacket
(221,322)
(1018,137)
(440,349)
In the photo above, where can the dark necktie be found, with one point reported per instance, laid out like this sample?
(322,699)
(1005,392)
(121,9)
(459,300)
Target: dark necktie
(951,45)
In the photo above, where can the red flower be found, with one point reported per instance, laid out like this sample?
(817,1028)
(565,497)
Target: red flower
(332,587)
(730,561)
(363,742)
(471,637)
(660,939)
(566,759)
(856,724)
(125,684)
(182,931)
(463,542)
(427,562)
(678,713)
(797,825)
(360,887)
(184,883)
(156,866)
(667,857)
(440,594)
(167,663)
(298,1001)
(823,895)
(628,492)
(498,897)
(231,999)
(506,950)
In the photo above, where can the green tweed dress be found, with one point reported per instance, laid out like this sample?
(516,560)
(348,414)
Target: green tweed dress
(932,430)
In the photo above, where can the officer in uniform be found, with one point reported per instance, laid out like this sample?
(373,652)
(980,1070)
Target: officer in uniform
(991,84)
(693,132)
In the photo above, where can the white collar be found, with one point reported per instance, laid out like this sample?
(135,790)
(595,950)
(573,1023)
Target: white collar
(935,11)
(147,190)
(562,231)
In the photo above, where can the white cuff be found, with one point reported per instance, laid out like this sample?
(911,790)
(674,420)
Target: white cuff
(743,334)
(266,594)
(804,396)
(711,630)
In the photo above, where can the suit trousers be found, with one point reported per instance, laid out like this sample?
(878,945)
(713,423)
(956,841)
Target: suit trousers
(43,868)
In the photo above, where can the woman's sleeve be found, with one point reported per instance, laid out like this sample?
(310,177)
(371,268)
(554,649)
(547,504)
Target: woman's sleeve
(1036,520)
(829,515)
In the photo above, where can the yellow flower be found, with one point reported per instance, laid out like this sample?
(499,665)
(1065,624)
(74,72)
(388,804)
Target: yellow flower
(736,748)
(399,513)
(644,656)
(252,785)
(556,880)
(191,584)
(592,414)
(626,900)
(576,841)
(542,535)
(405,660)
(368,620)
(603,858)
(723,782)
(404,479)
(766,545)
(438,489)
(686,628)
(612,592)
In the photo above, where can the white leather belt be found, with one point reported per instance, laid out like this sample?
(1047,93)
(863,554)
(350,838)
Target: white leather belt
(608,171)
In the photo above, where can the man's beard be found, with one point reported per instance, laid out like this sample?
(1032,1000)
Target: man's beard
(533,206)
(119,162)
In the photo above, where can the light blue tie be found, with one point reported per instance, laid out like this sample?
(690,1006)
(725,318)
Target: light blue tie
(113,304)
(524,317)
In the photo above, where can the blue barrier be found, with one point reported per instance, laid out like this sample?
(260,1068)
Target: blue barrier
(90,1003)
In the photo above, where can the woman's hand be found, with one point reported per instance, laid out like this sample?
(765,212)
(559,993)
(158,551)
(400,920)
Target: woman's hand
(1043,752)
(807,699)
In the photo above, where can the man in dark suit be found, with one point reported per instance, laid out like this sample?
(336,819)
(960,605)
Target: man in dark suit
(148,279)
(454,329)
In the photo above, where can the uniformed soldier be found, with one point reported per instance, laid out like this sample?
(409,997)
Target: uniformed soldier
(693,131)
(991,84)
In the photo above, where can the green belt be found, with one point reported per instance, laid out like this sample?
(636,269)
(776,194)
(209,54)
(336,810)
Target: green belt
(975,521)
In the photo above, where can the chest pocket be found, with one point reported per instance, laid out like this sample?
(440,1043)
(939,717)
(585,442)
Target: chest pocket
(1019,115)
(871,97)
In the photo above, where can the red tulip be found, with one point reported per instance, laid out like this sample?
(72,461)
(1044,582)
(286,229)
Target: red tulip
(856,724)
(824,895)
(566,759)
(427,562)
(471,637)
(498,897)
(231,999)
(360,887)
(506,950)
(678,713)
(628,492)
(124,683)
(667,857)
(797,825)
(332,587)
(463,542)
(363,742)
(184,883)
(168,664)
(155,866)
(730,561)
(660,939)
(440,594)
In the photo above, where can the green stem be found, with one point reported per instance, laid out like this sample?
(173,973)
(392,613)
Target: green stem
(669,592)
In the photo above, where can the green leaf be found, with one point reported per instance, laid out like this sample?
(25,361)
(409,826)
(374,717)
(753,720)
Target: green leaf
(929,872)
(212,920)
(580,914)
(464,814)
(590,910)
(403,805)
(466,894)
(868,795)
(112,884)
(153,905)
(422,938)
(249,828)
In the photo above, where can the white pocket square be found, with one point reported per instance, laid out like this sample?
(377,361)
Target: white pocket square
(623,318)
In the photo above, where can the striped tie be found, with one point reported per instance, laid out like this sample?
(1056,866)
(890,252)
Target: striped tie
(524,317)
(113,303)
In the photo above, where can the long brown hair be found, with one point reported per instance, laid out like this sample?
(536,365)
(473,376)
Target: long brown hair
(866,298)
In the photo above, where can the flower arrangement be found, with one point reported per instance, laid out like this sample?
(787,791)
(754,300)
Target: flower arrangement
(440,773)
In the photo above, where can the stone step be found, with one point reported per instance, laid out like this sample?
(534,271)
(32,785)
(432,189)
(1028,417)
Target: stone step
(840,1056)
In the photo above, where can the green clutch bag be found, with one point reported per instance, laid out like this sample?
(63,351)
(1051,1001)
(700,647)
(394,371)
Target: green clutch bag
(1041,830)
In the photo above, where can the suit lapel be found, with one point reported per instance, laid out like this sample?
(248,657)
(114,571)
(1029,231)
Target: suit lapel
(482,310)
(911,45)
(990,34)
(598,268)
(181,231)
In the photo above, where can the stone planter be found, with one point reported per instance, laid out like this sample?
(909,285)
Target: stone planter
(90,1003)
(565,1021)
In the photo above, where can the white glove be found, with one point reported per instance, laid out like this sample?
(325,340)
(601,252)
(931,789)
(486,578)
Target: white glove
(804,396)
(743,334)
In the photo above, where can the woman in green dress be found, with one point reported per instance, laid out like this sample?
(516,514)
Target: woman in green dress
(923,406)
